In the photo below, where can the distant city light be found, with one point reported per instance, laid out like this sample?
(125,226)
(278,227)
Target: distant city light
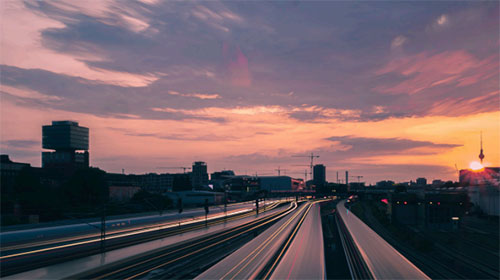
(455,218)
(476,166)
(384,200)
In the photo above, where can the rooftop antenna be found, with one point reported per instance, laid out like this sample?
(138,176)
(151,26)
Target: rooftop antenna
(481,155)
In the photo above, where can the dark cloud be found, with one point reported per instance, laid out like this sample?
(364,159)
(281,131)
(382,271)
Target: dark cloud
(308,116)
(86,96)
(18,143)
(347,149)
(361,147)
(338,162)
(327,53)
(178,136)
(21,154)
(187,137)
(24,150)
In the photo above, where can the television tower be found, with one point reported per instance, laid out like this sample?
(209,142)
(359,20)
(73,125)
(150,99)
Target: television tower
(481,155)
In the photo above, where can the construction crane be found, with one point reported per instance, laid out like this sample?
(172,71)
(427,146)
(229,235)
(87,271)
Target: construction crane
(261,174)
(312,156)
(175,167)
(279,170)
(359,177)
(305,171)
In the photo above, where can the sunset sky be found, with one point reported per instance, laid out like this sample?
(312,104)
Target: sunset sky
(387,90)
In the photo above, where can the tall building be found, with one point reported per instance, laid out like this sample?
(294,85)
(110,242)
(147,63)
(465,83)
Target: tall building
(199,175)
(319,175)
(66,138)
(421,181)
(481,154)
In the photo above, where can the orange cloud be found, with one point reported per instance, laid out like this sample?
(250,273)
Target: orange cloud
(140,145)
(196,95)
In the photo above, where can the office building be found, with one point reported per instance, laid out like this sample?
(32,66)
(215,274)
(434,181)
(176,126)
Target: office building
(199,175)
(221,175)
(242,183)
(150,182)
(65,138)
(10,171)
(218,178)
(319,175)
(122,193)
(276,183)
(421,181)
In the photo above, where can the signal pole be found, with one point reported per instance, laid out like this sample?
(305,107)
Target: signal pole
(103,229)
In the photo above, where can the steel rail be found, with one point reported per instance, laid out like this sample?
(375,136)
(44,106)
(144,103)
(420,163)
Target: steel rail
(144,264)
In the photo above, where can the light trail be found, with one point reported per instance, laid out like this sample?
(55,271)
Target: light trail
(131,232)
(278,216)
(259,249)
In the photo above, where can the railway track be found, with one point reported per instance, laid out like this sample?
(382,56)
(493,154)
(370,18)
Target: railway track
(183,259)
(480,269)
(268,270)
(262,257)
(429,264)
(437,267)
(357,267)
(17,263)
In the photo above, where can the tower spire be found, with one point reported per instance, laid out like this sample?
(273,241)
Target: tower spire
(481,155)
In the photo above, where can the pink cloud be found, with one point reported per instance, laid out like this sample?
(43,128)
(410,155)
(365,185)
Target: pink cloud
(424,71)
(463,106)
(237,66)
(22,46)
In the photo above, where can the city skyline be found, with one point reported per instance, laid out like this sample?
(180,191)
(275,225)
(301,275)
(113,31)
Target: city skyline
(384,90)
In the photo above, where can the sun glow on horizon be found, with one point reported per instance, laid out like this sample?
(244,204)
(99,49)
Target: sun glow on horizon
(476,166)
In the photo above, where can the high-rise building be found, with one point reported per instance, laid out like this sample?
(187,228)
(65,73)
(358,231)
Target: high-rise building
(421,181)
(319,175)
(66,138)
(199,175)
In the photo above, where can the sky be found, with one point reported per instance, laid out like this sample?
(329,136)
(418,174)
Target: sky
(387,90)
